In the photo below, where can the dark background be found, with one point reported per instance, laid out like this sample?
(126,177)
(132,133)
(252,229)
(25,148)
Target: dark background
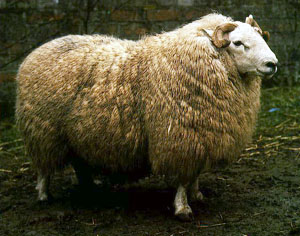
(26,24)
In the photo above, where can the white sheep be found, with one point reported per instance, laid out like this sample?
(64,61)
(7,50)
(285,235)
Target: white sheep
(176,103)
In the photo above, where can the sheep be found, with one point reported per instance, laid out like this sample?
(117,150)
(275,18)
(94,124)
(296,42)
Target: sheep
(173,104)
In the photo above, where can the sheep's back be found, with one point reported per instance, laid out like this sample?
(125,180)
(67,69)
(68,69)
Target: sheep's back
(73,94)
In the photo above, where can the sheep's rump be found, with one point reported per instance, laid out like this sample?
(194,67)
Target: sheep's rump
(73,102)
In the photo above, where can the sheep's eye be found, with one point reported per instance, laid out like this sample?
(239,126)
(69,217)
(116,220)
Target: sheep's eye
(238,43)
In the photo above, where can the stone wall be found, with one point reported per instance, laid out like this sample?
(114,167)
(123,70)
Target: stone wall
(26,24)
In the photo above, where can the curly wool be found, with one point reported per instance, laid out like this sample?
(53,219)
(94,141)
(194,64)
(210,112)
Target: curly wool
(171,101)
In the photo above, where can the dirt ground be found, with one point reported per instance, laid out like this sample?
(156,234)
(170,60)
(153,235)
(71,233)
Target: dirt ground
(259,194)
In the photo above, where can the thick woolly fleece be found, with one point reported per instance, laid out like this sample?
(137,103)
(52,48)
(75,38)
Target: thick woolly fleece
(172,102)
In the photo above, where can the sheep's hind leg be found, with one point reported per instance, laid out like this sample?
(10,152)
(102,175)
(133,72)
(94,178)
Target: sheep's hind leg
(182,209)
(83,173)
(43,182)
(195,194)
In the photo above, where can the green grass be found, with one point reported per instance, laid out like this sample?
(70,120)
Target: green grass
(286,119)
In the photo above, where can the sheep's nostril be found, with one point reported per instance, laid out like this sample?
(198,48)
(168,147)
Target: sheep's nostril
(272,66)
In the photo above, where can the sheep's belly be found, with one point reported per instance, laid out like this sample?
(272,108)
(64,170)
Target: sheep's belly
(115,147)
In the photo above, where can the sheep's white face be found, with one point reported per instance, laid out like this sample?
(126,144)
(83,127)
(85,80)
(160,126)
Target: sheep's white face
(250,52)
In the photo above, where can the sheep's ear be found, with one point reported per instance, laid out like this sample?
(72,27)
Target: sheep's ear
(266,35)
(220,37)
(249,20)
(253,23)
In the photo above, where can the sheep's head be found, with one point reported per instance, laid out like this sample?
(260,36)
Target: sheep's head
(246,43)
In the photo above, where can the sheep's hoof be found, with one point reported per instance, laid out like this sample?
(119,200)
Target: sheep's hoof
(197,197)
(45,197)
(184,214)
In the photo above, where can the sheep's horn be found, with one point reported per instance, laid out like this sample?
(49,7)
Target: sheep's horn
(220,36)
(253,23)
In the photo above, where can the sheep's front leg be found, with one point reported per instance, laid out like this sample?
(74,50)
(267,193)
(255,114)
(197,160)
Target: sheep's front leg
(43,182)
(182,209)
(195,194)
